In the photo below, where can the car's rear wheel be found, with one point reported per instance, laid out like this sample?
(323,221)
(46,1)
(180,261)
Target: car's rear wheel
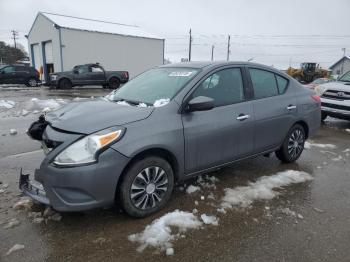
(146,187)
(32,82)
(65,84)
(114,83)
(293,145)
(323,116)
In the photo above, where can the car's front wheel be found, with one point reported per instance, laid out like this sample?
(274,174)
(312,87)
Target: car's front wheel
(65,84)
(293,145)
(146,187)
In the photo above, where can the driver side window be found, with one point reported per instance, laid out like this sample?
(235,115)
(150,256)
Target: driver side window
(225,87)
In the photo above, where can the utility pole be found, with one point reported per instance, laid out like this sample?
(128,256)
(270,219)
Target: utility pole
(342,66)
(190,46)
(228,47)
(14,37)
(212,52)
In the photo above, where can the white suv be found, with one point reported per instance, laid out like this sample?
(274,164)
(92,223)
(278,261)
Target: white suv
(335,98)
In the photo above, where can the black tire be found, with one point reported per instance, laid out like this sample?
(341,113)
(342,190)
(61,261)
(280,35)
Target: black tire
(65,84)
(114,83)
(293,145)
(141,195)
(323,116)
(32,82)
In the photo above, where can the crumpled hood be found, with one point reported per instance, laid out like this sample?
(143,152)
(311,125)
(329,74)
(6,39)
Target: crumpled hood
(89,116)
(339,86)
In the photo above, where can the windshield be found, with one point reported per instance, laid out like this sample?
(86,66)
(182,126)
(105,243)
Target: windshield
(155,87)
(345,77)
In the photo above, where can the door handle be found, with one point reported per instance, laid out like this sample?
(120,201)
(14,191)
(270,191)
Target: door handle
(242,117)
(290,107)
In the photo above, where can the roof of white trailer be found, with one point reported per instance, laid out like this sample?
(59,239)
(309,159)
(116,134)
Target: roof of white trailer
(78,23)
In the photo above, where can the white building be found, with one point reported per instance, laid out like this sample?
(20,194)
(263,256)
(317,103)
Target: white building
(341,66)
(59,42)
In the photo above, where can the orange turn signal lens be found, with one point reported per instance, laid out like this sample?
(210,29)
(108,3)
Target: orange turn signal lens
(108,138)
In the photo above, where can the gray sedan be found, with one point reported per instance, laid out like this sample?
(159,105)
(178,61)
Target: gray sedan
(166,125)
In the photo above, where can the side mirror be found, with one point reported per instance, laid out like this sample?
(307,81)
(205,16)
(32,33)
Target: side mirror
(200,103)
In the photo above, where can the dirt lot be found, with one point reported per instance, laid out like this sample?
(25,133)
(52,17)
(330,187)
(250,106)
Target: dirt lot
(307,221)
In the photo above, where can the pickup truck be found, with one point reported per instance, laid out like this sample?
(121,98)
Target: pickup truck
(88,74)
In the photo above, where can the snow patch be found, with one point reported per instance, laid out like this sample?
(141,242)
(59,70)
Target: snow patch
(338,158)
(308,145)
(13,131)
(123,103)
(160,233)
(210,220)
(161,102)
(191,189)
(15,248)
(25,203)
(262,189)
(46,105)
(7,104)
(12,223)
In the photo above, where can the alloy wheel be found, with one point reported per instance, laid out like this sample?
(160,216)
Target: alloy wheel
(296,143)
(149,187)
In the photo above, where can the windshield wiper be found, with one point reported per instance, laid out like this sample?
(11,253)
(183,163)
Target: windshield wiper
(129,101)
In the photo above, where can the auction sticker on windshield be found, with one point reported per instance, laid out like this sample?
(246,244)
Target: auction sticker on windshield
(181,73)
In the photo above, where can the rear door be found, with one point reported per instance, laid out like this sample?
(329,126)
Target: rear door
(97,75)
(274,106)
(225,133)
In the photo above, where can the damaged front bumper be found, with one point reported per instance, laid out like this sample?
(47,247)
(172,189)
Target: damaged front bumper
(33,189)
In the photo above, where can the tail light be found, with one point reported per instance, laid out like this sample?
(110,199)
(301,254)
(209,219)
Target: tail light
(316,98)
(125,75)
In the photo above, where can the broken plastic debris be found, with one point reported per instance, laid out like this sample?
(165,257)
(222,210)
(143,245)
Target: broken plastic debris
(15,248)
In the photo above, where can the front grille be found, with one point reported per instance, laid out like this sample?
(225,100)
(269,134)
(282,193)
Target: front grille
(336,95)
(347,108)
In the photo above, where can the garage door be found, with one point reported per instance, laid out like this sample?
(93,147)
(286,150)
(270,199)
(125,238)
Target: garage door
(48,53)
(37,56)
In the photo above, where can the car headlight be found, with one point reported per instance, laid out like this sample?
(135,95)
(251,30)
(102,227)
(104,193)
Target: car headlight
(53,77)
(320,90)
(85,150)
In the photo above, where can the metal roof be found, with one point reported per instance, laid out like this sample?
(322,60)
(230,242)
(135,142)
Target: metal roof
(92,25)
(341,59)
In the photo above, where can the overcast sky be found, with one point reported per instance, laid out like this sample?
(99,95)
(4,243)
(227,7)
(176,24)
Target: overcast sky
(272,32)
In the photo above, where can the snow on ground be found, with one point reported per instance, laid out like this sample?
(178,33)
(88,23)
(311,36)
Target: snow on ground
(210,220)
(262,189)
(191,189)
(161,102)
(46,105)
(7,104)
(338,158)
(15,248)
(164,230)
(13,131)
(308,145)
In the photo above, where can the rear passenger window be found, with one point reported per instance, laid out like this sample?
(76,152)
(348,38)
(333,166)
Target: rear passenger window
(282,84)
(264,83)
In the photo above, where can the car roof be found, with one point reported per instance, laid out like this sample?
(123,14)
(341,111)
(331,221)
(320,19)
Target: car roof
(216,64)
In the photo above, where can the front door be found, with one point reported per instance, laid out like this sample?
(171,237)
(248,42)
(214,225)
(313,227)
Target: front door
(223,134)
(8,75)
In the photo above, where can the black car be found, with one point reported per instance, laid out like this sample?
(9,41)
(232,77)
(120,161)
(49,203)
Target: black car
(19,74)
(88,74)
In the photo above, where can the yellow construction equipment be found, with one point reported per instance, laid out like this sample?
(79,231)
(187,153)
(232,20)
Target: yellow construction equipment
(307,72)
